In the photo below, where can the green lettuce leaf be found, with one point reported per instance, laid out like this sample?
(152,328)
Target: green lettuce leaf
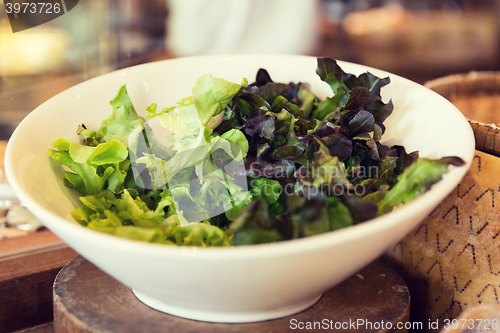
(416,179)
(194,234)
(211,95)
(338,214)
(254,225)
(122,121)
(129,217)
(94,168)
(238,138)
(238,164)
(307,213)
(328,170)
(266,189)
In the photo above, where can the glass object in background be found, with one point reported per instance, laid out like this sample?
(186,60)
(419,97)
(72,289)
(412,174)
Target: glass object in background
(420,39)
(37,63)
(424,36)
(245,26)
(95,37)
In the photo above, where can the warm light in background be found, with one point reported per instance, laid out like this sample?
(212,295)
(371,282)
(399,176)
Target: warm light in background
(420,39)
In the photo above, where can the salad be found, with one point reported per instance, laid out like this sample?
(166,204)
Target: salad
(238,164)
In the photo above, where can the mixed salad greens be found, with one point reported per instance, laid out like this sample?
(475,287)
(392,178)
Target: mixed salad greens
(238,164)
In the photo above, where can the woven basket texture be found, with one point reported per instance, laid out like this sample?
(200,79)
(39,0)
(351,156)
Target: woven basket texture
(477,95)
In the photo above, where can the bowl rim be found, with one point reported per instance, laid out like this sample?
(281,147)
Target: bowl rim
(338,237)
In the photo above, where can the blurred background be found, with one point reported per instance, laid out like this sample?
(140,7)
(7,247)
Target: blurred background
(418,39)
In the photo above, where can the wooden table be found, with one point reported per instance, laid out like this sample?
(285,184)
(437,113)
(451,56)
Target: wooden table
(87,300)
(28,266)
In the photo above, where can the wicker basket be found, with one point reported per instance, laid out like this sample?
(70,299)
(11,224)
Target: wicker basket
(451,262)
(477,95)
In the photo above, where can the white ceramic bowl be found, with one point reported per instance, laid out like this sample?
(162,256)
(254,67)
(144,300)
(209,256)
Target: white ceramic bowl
(238,284)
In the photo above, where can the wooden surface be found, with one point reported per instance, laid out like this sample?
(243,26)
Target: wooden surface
(88,300)
(43,328)
(30,242)
(28,267)
(26,281)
